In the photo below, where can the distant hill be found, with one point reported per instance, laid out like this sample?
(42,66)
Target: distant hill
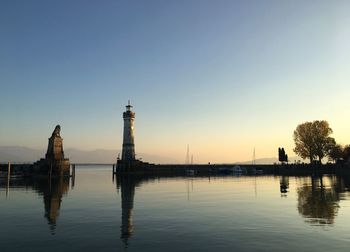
(269,160)
(110,156)
(94,156)
(18,154)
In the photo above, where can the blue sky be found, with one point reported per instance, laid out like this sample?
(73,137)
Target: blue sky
(222,76)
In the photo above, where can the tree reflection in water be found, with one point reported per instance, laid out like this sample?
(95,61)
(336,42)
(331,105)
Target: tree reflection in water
(319,202)
(284,185)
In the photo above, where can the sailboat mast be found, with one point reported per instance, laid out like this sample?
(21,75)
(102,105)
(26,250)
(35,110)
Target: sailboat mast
(253,160)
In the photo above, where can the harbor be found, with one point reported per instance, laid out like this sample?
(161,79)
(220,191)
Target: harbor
(55,164)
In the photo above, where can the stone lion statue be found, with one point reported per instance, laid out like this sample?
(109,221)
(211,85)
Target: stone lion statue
(57,131)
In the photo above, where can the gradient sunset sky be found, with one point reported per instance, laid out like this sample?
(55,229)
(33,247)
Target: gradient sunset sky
(221,76)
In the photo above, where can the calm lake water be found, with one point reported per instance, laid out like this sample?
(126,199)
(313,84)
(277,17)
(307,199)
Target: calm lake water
(227,213)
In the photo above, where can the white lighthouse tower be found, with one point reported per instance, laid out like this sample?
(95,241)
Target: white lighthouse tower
(128,153)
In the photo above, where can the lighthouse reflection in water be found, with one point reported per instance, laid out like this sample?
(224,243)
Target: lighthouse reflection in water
(127,184)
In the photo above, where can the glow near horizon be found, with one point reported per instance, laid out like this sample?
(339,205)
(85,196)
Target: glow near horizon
(223,77)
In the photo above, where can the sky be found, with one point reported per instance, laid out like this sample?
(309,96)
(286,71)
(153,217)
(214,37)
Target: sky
(224,77)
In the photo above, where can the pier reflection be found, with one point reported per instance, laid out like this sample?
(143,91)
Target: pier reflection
(318,199)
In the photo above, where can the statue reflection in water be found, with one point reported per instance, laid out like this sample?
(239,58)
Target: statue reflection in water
(52,191)
(319,202)
(127,184)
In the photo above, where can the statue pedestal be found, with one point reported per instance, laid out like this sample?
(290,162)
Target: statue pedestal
(54,163)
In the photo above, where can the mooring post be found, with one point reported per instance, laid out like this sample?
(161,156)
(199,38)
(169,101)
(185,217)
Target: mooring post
(50,174)
(73,170)
(8,171)
(8,178)
(73,175)
(113,172)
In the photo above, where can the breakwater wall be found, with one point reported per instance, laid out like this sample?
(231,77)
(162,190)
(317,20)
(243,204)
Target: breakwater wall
(208,169)
(17,167)
(273,169)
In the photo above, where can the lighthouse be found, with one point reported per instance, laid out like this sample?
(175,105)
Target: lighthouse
(128,153)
